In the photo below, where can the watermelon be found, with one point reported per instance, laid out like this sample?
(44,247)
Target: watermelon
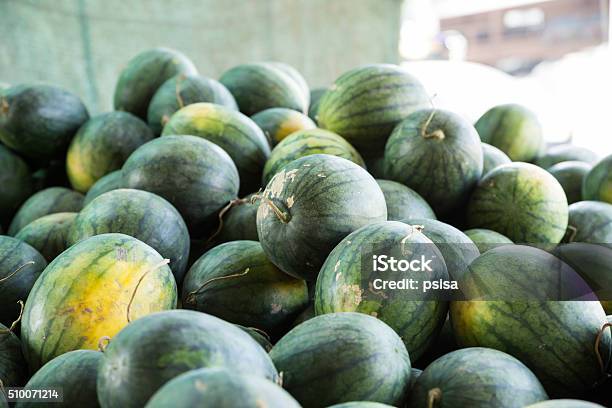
(597,184)
(111,181)
(236,282)
(102,145)
(565,403)
(259,336)
(307,142)
(364,104)
(139,214)
(403,202)
(347,282)
(278,123)
(570,175)
(591,222)
(437,154)
(75,373)
(240,221)
(486,239)
(262,85)
(342,357)
(238,135)
(492,157)
(15,183)
(182,90)
(48,234)
(195,175)
(164,345)
(513,129)
(91,290)
(516,312)
(38,121)
(49,201)
(360,404)
(144,74)
(457,248)
(20,266)
(476,377)
(521,201)
(13,368)
(293,74)
(315,99)
(566,152)
(223,388)
(310,206)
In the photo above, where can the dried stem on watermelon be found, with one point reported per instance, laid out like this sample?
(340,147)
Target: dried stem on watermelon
(597,342)
(263,333)
(436,134)
(433,396)
(103,343)
(177,90)
(16,322)
(191,296)
(10,275)
(154,268)
(224,210)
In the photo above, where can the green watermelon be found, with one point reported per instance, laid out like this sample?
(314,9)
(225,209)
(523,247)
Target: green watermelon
(144,74)
(591,222)
(48,234)
(310,206)
(570,174)
(278,123)
(49,201)
(486,239)
(182,90)
(102,145)
(342,357)
(15,184)
(240,221)
(238,135)
(566,152)
(364,104)
(75,373)
(403,202)
(164,345)
(91,290)
(347,282)
(236,282)
(515,312)
(597,184)
(565,403)
(13,367)
(492,157)
(20,266)
(111,181)
(262,85)
(307,142)
(360,404)
(457,248)
(315,99)
(223,389)
(259,336)
(474,378)
(513,129)
(139,214)
(437,154)
(195,175)
(39,121)
(521,201)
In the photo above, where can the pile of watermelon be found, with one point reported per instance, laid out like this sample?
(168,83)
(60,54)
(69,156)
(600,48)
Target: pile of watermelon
(204,245)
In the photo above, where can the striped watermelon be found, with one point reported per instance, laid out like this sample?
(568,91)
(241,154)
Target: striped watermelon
(195,175)
(492,157)
(238,135)
(182,90)
(437,154)
(278,123)
(236,282)
(364,104)
(566,152)
(139,214)
(49,201)
(93,290)
(597,184)
(307,142)
(403,203)
(476,378)
(310,206)
(13,367)
(144,74)
(347,282)
(486,239)
(522,202)
(570,174)
(513,129)
(102,145)
(111,181)
(341,357)
(591,222)
(48,234)
(15,184)
(164,345)
(315,99)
